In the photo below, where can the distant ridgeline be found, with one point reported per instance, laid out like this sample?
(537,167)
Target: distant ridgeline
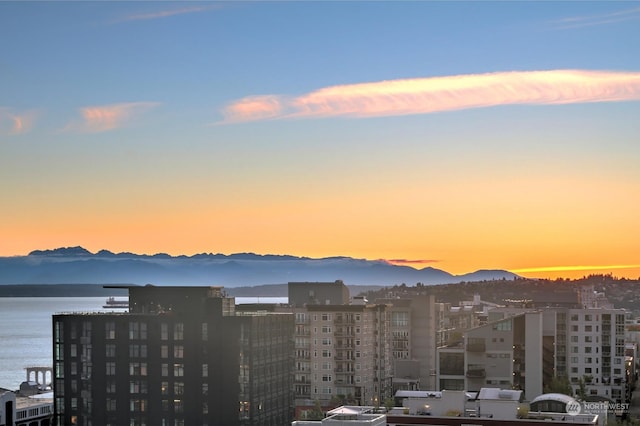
(76,265)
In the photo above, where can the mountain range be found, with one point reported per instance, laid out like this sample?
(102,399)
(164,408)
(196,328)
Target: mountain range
(76,265)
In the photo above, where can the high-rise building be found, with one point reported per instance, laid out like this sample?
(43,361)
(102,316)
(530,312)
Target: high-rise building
(180,356)
(342,347)
(413,341)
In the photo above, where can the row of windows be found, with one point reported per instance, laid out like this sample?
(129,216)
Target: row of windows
(138,331)
(499,355)
(589,370)
(141,405)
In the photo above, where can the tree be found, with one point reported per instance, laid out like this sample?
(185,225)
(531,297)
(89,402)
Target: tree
(316,413)
(559,384)
(581,392)
(389,403)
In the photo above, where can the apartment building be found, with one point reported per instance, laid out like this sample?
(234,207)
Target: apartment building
(525,348)
(413,340)
(342,348)
(180,356)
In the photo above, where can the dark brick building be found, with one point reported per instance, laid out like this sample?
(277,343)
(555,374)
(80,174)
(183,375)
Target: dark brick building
(180,356)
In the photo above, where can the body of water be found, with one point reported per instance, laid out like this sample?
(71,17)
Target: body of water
(26,330)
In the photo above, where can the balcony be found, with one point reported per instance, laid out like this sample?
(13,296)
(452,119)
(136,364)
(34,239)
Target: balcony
(476,372)
(343,320)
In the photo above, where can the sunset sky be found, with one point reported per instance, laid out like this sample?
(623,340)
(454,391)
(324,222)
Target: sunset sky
(457,135)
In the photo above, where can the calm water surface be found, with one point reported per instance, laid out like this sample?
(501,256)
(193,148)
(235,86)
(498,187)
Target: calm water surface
(26,330)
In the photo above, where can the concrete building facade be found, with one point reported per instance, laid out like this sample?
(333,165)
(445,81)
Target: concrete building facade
(526,348)
(413,333)
(342,349)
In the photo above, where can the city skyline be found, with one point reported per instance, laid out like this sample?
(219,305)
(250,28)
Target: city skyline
(458,135)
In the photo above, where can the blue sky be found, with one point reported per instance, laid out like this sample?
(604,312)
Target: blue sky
(187,127)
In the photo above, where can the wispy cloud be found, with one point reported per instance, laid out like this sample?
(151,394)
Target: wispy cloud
(410,261)
(436,94)
(15,123)
(165,13)
(103,118)
(594,20)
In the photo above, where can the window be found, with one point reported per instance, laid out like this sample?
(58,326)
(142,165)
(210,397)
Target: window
(164,351)
(178,370)
(503,326)
(164,388)
(588,360)
(574,328)
(111,386)
(587,317)
(110,350)
(205,370)
(137,330)
(178,388)
(111,404)
(59,331)
(110,368)
(164,370)
(110,330)
(326,378)
(326,329)
(587,349)
(588,339)
(326,341)
(326,317)
(138,405)
(178,331)
(399,319)
(326,353)
(164,331)
(137,351)
(205,331)
(137,386)
(178,351)
(137,368)
(588,328)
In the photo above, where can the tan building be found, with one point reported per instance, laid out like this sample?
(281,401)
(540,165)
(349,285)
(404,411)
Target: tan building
(342,347)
